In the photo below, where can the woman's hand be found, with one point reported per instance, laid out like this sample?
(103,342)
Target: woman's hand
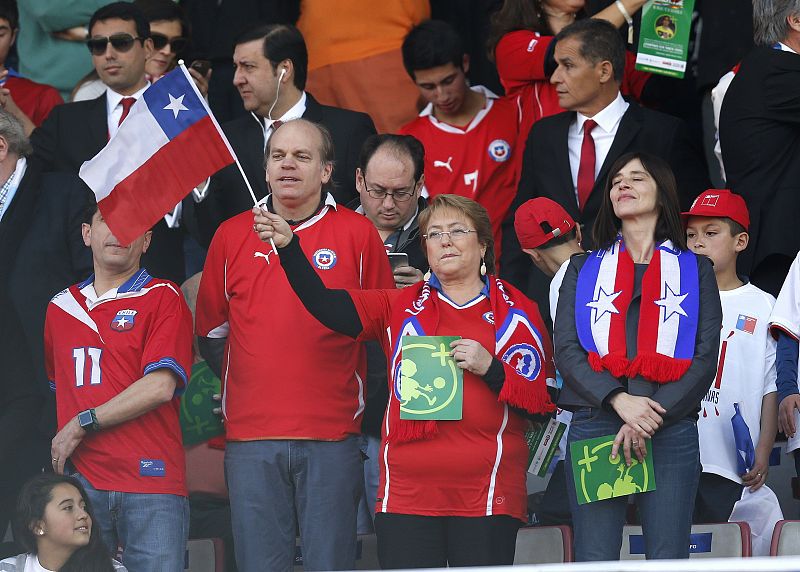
(631,440)
(271,226)
(786,414)
(641,413)
(471,356)
(201,81)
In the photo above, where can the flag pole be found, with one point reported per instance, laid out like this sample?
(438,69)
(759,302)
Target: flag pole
(252,196)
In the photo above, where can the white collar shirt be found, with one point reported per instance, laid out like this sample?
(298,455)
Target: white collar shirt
(608,120)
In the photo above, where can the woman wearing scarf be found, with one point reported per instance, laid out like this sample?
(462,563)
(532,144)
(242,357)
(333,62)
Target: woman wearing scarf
(637,335)
(450,492)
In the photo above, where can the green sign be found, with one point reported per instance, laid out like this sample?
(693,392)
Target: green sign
(598,477)
(664,37)
(431,385)
(198,422)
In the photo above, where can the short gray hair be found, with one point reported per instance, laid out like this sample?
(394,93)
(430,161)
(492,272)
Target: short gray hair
(770,20)
(14,134)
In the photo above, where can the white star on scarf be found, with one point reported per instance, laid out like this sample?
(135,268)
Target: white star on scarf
(176,105)
(671,302)
(603,304)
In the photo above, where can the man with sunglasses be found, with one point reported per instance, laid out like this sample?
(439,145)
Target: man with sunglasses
(120,44)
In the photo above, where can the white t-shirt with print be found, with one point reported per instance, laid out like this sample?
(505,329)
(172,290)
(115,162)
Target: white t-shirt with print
(745,374)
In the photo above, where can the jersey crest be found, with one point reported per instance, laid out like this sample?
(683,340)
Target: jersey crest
(124,320)
(525,359)
(324,259)
(499,150)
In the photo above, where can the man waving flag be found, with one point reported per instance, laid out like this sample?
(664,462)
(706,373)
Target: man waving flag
(168,144)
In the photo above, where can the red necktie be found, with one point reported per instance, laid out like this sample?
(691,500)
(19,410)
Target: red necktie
(126,102)
(586,167)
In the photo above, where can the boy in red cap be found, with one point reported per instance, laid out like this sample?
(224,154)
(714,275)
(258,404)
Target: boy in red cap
(550,237)
(716,226)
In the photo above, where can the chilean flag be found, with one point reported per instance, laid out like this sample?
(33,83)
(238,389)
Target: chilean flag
(168,144)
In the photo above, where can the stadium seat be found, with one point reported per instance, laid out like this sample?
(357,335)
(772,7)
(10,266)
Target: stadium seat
(205,555)
(543,545)
(723,540)
(786,538)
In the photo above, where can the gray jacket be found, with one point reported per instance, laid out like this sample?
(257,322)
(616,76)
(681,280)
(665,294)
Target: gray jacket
(584,387)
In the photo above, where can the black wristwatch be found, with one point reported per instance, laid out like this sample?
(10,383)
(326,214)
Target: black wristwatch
(88,421)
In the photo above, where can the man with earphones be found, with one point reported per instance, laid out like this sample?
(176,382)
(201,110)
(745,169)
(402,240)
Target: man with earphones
(271,65)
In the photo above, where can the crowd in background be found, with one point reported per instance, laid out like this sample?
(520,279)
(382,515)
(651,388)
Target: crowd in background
(419,167)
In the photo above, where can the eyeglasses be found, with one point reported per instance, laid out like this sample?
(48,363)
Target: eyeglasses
(120,42)
(456,235)
(399,196)
(176,45)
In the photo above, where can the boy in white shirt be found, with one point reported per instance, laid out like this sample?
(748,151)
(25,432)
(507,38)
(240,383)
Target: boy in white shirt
(550,237)
(716,226)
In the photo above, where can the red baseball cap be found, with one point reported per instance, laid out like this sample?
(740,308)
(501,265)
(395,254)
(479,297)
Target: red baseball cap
(530,216)
(720,203)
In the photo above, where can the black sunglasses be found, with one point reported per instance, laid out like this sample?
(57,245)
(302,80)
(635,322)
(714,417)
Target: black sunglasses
(120,42)
(176,44)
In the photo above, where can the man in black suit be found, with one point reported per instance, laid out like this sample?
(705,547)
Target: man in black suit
(271,65)
(759,132)
(568,155)
(41,252)
(76,132)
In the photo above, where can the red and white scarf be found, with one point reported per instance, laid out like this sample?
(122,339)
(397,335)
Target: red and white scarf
(521,343)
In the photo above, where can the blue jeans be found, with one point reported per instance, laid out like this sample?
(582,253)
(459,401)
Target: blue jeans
(666,513)
(371,448)
(277,484)
(151,528)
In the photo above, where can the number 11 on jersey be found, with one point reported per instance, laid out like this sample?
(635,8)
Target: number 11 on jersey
(79,355)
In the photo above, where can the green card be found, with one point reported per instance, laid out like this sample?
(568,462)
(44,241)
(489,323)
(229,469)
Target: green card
(198,422)
(431,385)
(664,37)
(598,477)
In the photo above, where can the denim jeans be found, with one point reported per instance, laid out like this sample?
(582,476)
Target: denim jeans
(371,448)
(666,513)
(277,484)
(151,528)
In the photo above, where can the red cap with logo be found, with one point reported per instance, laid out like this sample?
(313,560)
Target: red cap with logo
(530,216)
(720,203)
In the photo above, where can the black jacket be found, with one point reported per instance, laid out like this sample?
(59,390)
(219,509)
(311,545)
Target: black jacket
(759,130)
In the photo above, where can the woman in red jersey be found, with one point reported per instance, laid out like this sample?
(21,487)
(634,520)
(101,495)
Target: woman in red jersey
(452,492)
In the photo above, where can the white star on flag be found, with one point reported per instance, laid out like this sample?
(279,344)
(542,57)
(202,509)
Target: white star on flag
(121,322)
(176,105)
(603,304)
(671,302)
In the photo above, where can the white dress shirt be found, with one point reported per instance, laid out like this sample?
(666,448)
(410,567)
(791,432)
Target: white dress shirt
(114,107)
(607,120)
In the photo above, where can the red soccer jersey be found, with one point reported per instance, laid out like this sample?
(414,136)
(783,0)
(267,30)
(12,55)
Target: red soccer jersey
(480,161)
(286,376)
(36,100)
(95,348)
(472,467)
